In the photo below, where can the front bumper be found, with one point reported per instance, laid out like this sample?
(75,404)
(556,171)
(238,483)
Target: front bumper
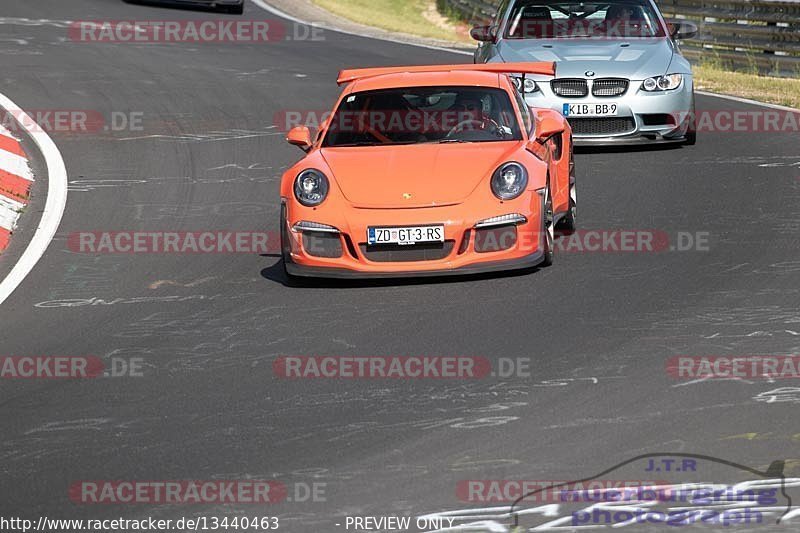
(479,268)
(642,117)
(463,252)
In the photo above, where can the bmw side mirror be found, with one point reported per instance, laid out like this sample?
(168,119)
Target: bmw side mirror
(300,136)
(484,34)
(682,29)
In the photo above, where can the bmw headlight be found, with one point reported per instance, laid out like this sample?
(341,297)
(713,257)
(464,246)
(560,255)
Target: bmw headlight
(509,181)
(669,82)
(530,85)
(311,187)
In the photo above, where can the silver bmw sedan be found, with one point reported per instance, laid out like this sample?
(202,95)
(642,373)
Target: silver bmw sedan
(620,78)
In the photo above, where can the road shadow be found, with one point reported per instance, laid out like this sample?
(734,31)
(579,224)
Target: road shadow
(277,274)
(631,148)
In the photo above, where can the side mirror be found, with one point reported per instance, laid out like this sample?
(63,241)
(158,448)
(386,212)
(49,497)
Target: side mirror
(547,125)
(300,136)
(682,29)
(484,34)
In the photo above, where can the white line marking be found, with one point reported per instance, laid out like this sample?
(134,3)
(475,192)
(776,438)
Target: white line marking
(54,206)
(748,101)
(278,13)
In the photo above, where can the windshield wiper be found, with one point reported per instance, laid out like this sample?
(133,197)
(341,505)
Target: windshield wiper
(453,141)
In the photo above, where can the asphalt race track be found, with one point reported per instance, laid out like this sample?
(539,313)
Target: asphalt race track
(597,328)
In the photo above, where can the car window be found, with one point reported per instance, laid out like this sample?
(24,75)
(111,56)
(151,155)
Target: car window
(501,11)
(525,111)
(423,115)
(559,19)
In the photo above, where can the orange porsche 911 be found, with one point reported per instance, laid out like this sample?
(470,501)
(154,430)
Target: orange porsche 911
(429,170)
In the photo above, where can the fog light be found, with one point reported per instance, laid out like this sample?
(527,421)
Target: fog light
(502,220)
(314,226)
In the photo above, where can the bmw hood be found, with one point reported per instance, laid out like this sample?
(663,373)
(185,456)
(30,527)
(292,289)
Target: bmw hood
(418,175)
(635,59)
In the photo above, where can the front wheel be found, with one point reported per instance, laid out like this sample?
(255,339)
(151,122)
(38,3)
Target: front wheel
(285,248)
(568,222)
(691,131)
(548,229)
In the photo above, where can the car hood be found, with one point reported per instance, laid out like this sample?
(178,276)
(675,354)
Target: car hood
(635,59)
(432,174)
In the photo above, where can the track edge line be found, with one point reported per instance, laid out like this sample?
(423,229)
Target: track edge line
(748,101)
(263,4)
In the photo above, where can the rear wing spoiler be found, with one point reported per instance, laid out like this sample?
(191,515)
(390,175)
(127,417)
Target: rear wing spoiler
(543,68)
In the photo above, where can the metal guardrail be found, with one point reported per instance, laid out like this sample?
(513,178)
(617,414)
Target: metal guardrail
(469,10)
(762,35)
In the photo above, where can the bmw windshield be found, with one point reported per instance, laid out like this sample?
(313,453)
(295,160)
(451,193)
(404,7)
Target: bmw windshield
(543,19)
(423,115)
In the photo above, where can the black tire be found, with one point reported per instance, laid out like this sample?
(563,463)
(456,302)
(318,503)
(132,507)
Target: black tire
(568,222)
(549,231)
(691,131)
(285,250)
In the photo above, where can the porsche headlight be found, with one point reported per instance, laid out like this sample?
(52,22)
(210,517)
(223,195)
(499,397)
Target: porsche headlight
(509,181)
(670,82)
(311,187)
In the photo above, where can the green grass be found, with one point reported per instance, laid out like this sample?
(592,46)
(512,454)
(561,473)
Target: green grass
(405,16)
(782,91)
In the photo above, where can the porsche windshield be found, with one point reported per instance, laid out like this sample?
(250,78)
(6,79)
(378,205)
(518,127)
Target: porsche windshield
(423,115)
(543,19)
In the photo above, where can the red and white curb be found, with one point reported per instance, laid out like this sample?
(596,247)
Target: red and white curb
(15,180)
(15,184)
